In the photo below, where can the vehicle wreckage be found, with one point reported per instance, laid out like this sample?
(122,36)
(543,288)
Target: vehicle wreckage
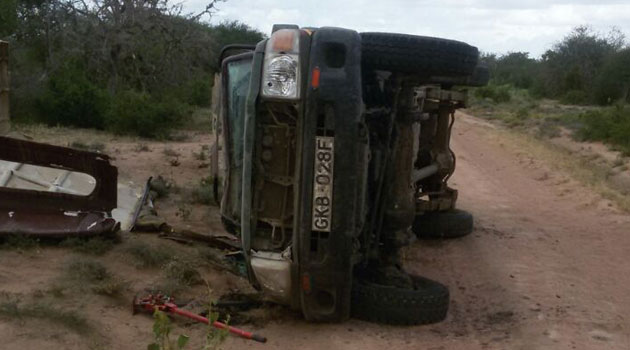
(332,151)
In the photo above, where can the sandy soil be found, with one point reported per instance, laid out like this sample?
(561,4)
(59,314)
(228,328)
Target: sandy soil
(545,267)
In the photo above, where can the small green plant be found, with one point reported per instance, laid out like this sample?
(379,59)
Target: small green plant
(162,329)
(95,276)
(204,193)
(13,309)
(522,113)
(87,270)
(214,336)
(111,287)
(496,93)
(162,187)
(20,243)
(148,255)
(200,156)
(92,246)
(183,270)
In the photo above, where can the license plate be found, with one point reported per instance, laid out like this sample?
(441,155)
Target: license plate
(323,183)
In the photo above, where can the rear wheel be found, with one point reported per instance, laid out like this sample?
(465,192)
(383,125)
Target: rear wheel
(426,302)
(443,224)
(418,54)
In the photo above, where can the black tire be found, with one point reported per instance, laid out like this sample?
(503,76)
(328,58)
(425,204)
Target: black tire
(443,224)
(418,54)
(427,303)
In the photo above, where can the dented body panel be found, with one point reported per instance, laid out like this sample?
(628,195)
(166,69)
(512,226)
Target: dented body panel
(37,200)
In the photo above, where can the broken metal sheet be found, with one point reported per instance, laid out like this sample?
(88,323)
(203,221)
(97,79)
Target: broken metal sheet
(56,225)
(102,198)
(130,199)
(55,191)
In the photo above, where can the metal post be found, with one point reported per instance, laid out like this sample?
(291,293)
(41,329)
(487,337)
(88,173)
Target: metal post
(4,88)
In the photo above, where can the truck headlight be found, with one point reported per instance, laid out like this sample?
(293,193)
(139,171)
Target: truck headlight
(281,70)
(281,77)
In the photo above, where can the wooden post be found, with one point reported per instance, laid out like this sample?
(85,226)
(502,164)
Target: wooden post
(4,88)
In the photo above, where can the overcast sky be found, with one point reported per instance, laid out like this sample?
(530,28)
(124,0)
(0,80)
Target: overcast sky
(492,25)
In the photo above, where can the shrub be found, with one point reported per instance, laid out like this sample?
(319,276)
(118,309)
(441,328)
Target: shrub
(204,193)
(87,270)
(611,125)
(613,83)
(139,114)
(16,311)
(575,97)
(149,256)
(497,93)
(70,99)
(182,270)
(198,92)
(93,246)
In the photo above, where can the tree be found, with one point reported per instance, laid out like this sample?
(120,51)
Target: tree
(73,60)
(613,83)
(574,63)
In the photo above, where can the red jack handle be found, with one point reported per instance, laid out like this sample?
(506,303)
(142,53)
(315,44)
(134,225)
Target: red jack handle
(241,333)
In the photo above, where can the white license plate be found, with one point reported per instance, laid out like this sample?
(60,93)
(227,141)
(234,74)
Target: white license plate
(323,183)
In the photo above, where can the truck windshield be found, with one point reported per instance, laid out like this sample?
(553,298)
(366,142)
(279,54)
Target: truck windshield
(239,73)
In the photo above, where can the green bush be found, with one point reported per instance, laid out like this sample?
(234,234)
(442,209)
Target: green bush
(613,83)
(139,114)
(198,92)
(496,93)
(611,125)
(70,99)
(204,193)
(575,97)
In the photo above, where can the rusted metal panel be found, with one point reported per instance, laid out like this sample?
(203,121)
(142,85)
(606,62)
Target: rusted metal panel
(35,201)
(4,87)
(102,198)
(56,224)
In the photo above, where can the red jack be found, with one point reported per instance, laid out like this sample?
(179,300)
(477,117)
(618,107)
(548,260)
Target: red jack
(167,304)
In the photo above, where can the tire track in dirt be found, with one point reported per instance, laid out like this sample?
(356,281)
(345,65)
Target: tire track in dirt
(557,250)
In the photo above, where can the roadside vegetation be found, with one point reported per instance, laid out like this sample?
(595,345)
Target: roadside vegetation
(582,84)
(129,67)
(14,309)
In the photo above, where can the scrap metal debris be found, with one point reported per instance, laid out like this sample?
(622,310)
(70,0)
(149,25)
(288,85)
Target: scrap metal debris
(52,191)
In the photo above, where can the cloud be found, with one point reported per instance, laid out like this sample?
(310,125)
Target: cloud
(493,26)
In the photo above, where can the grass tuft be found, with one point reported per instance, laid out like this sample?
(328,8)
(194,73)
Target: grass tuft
(12,309)
(146,255)
(20,243)
(92,246)
(183,270)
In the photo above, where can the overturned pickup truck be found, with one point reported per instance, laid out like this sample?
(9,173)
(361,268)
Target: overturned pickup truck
(336,151)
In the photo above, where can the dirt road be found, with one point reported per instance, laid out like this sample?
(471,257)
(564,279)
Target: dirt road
(544,269)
